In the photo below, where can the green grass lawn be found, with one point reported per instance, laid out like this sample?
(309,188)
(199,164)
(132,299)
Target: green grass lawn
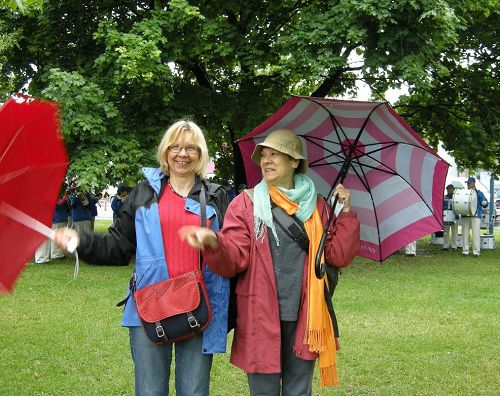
(426,325)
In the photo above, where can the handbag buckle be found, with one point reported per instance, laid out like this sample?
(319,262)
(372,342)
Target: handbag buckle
(159,331)
(193,323)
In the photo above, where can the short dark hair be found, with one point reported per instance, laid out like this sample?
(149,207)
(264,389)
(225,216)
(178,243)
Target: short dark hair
(121,188)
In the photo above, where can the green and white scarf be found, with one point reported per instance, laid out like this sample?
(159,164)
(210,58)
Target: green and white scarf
(304,194)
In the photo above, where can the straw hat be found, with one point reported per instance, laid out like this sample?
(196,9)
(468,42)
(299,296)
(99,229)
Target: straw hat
(286,142)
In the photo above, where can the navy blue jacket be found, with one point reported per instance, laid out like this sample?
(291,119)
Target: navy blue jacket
(79,211)
(482,202)
(116,204)
(61,211)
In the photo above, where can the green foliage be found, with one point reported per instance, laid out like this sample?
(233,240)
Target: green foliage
(93,131)
(461,107)
(8,41)
(124,71)
(412,326)
(21,5)
(134,57)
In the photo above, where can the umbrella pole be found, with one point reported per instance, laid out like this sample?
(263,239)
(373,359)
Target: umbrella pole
(26,220)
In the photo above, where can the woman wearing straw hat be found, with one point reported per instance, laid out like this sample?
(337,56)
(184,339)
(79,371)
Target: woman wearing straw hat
(283,324)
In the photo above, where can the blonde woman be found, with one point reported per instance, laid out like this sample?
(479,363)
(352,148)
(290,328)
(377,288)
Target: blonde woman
(148,229)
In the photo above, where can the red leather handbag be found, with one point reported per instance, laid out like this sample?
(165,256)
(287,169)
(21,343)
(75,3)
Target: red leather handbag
(174,309)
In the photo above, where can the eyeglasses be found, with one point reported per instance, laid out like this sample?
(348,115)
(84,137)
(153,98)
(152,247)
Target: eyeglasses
(189,149)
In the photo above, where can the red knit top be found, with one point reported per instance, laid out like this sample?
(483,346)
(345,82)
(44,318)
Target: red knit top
(180,257)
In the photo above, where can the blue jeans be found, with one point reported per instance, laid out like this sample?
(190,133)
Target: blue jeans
(152,366)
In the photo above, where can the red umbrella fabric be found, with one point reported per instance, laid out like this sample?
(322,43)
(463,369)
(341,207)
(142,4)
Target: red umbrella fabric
(33,164)
(396,179)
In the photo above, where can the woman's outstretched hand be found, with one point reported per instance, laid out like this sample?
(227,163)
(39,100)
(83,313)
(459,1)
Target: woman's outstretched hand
(198,237)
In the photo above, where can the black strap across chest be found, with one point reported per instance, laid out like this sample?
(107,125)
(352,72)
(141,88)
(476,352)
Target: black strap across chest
(293,227)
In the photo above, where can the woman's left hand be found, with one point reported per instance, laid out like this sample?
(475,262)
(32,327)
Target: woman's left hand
(344,196)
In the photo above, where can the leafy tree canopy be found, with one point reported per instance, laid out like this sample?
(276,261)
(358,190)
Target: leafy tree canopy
(123,71)
(461,106)
(23,6)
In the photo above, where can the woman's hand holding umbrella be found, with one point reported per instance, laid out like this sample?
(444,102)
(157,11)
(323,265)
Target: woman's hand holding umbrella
(343,196)
(67,239)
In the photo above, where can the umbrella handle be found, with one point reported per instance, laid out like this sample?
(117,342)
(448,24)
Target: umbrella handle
(71,245)
(319,267)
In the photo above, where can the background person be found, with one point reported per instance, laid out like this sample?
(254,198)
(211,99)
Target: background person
(450,229)
(150,217)
(241,187)
(93,201)
(69,191)
(49,250)
(282,319)
(411,249)
(473,222)
(118,200)
(229,190)
(81,211)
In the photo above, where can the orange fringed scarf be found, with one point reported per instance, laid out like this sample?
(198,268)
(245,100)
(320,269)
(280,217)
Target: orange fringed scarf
(319,330)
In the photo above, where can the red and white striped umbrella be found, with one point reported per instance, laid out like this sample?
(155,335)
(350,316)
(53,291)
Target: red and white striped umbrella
(396,179)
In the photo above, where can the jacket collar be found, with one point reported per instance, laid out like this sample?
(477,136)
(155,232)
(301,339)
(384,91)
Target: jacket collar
(154,177)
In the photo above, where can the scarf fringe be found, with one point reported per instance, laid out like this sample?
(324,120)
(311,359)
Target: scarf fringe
(259,230)
(319,342)
(316,339)
(328,376)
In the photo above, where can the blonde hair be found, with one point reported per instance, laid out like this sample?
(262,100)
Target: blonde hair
(179,130)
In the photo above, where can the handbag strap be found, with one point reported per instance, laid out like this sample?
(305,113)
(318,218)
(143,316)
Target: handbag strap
(203,207)
(203,214)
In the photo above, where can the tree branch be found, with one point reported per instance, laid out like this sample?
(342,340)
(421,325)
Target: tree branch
(292,11)
(327,84)
(200,73)
(346,69)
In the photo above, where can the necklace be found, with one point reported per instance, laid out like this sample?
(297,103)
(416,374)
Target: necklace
(175,192)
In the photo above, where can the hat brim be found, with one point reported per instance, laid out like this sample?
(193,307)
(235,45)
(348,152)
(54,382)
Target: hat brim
(303,164)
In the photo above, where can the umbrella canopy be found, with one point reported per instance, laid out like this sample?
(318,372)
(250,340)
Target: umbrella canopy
(33,164)
(396,179)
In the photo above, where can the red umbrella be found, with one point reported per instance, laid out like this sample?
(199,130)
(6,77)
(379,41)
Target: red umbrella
(396,179)
(33,164)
